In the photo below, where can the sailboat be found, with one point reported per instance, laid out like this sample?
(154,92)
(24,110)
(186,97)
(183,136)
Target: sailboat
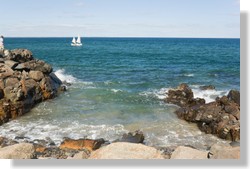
(76,42)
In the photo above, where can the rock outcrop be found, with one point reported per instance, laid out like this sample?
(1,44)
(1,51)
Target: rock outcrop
(126,151)
(24,82)
(221,117)
(222,151)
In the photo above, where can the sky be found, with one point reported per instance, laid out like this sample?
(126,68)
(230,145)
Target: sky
(120,18)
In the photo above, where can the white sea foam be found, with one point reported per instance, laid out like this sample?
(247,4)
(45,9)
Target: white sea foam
(65,77)
(116,90)
(189,75)
(208,95)
(160,94)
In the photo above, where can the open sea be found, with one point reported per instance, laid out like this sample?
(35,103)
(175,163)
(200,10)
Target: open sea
(119,84)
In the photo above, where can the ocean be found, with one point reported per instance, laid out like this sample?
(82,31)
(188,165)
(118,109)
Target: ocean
(119,85)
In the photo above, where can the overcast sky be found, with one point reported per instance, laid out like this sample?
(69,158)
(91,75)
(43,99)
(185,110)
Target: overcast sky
(120,18)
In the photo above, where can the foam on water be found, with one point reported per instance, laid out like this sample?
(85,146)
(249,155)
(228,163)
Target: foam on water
(65,77)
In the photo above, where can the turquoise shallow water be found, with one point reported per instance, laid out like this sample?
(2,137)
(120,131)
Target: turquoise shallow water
(118,85)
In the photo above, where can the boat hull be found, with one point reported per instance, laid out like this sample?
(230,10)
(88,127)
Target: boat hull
(72,44)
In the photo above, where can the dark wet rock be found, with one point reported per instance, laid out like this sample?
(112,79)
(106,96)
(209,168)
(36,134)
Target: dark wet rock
(181,96)
(81,144)
(234,96)
(221,117)
(134,137)
(209,87)
(6,142)
(20,55)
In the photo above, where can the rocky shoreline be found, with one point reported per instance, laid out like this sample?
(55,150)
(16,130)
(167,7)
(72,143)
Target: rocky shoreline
(26,81)
(130,146)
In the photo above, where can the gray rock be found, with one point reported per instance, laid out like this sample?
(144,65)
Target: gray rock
(182,152)
(18,151)
(126,151)
(12,64)
(135,137)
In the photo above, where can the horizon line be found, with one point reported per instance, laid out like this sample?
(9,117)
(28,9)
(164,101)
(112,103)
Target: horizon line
(122,37)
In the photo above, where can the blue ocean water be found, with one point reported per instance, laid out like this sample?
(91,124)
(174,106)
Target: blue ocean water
(118,85)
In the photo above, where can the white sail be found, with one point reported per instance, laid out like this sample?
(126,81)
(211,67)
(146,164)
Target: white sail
(79,39)
(74,40)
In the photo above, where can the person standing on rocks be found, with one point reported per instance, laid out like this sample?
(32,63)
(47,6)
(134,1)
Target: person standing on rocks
(1,43)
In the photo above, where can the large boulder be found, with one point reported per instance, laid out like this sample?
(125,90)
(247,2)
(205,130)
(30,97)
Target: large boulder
(234,96)
(222,151)
(18,151)
(126,151)
(182,152)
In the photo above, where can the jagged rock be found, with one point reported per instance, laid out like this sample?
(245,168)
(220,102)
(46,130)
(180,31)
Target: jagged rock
(18,151)
(209,87)
(81,144)
(12,64)
(221,117)
(36,65)
(24,82)
(36,75)
(123,150)
(182,152)
(5,71)
(135,137)
(234,96)
(20,55)
(181,96)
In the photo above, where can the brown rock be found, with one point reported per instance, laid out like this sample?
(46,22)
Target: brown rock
(181,96)
(36,75)
(12,64)
(81,144)
(126,151)
(11,81)
(234,96)
(182,152)
(5,71)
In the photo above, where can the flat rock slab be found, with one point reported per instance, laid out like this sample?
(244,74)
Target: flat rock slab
(182,152)
(122,150)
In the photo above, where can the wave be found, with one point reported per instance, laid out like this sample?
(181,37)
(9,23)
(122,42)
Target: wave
(160,94)
(189,75)
(65,77)
(208,95)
